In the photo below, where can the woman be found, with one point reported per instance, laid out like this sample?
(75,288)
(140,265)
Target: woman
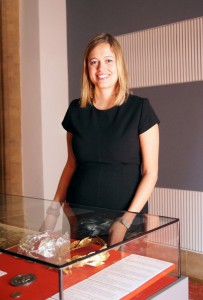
(112,137)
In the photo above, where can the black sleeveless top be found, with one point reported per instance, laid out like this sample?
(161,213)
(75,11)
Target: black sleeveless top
(107,149)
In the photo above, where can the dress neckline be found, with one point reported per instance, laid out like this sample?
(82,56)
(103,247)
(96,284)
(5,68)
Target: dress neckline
(107,109)
(111,108)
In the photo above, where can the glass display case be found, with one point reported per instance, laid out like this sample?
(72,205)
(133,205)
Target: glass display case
(52,250)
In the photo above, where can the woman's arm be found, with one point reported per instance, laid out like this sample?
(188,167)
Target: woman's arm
(53,210)
(67,173)
(149,143)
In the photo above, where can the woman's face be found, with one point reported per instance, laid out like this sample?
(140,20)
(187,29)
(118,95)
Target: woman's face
(102,67)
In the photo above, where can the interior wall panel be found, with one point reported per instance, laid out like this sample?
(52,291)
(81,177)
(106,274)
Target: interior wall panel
(164,55)
(180,110)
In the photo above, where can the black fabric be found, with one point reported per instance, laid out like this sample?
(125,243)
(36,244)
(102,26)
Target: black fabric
(106,146)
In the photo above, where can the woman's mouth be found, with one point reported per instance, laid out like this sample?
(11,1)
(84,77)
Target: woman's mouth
(102,76)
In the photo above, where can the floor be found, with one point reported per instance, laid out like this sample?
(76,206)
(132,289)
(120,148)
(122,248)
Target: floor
(195,290)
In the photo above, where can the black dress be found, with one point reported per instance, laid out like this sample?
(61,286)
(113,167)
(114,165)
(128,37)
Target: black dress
(106,146)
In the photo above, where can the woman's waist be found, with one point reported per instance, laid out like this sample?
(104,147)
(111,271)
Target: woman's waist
(107,169)
(108,164)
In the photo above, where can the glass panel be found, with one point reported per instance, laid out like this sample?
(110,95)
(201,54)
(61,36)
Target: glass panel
(70,238)
(22,218)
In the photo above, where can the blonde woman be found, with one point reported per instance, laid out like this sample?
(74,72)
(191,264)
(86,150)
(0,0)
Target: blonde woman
(112,138)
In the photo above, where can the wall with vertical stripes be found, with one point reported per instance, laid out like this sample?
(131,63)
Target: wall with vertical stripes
(185,205)
(165,55)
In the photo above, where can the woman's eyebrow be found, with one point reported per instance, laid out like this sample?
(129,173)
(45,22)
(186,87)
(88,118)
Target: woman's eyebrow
(104,57)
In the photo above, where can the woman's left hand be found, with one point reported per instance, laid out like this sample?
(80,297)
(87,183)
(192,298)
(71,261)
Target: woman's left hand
(117,233)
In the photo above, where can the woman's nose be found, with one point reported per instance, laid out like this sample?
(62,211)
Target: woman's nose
(100,65)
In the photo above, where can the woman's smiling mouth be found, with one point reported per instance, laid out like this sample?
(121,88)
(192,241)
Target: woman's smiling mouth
(103,76)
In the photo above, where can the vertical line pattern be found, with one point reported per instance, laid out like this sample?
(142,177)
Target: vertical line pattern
(164,55)
(185,205)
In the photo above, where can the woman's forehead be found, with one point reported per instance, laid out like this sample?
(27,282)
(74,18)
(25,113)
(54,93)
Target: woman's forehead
(102,49)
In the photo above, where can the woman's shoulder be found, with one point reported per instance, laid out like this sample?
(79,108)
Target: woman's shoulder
(75,103)
(70,114)
(74,106)
(135,100)
(133,97)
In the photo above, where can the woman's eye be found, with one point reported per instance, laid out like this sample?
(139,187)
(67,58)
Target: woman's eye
(93,62)
(109,61)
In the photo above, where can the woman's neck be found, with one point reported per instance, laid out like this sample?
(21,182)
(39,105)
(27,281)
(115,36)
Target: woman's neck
(104,99)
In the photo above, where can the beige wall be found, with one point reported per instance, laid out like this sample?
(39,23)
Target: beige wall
(35,90)
(11,97)
(44,94)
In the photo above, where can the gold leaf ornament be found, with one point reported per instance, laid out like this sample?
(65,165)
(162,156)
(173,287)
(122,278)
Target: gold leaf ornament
(94,261)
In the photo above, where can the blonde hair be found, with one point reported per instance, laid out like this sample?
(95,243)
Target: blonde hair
(87,90)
